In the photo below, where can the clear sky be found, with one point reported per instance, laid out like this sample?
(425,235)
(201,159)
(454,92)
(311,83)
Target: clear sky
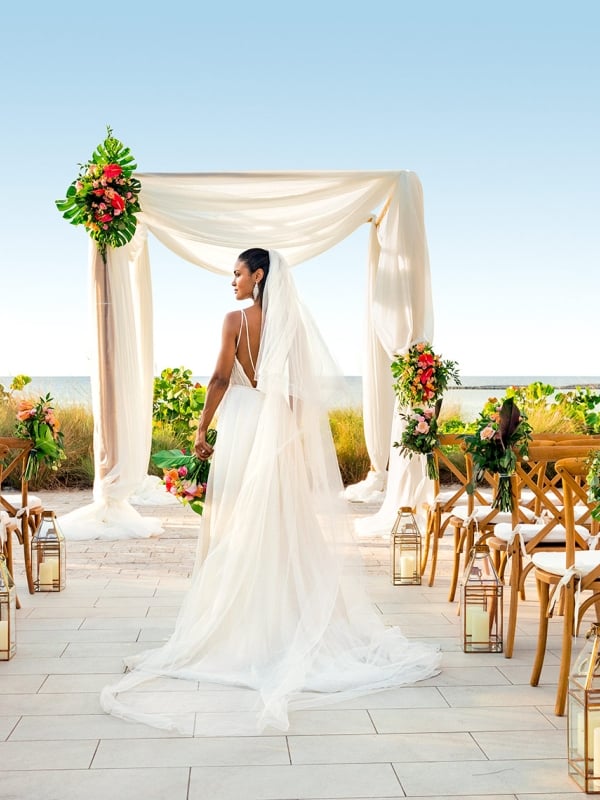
(495,106)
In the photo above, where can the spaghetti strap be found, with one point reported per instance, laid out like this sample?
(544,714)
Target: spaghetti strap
(242,322)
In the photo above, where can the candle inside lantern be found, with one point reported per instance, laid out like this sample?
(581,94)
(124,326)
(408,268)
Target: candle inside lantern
(48,571)
(477,625)
(407,566)
(3,635)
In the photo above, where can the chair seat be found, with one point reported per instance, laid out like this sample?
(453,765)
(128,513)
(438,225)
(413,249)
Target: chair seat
(448,494)
(481,512)
(557,535)
(555,563)
(33,501)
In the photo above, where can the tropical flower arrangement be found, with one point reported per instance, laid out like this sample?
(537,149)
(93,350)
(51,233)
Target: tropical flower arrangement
(501,433)
(184,475)
(422,376)
(36,421)
(593,481)
(421,435)
(104,196)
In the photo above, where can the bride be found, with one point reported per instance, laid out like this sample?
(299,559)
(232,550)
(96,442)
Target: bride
(276,604)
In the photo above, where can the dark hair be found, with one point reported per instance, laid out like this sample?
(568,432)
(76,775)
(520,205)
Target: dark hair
(256,258)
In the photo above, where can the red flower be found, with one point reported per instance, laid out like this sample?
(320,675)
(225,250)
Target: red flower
(117,202)
(426,375)
(105,218)
(112,171)
(426,360)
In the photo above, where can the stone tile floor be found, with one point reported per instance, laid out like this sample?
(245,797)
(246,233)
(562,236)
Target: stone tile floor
(478,730)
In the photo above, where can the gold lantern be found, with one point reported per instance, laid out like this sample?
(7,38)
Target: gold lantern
(8,608)
(406,549)
(48,555)
(583,715)
(481,603)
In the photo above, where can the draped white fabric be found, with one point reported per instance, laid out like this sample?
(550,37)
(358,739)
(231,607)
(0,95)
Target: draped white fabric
(122,388)
(208,219)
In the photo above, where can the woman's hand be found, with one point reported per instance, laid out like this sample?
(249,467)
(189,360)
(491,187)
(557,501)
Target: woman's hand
(202,448)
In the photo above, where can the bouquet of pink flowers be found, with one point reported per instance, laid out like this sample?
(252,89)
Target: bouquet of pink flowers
(184,475)
(421,435)
(37,421)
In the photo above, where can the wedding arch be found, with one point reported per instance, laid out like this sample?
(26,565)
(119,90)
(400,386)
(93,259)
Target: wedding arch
(208,218)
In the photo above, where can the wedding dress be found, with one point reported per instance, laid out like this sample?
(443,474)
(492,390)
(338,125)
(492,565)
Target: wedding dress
(276,613)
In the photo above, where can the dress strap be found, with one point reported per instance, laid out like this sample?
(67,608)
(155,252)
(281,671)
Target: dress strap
(245,322)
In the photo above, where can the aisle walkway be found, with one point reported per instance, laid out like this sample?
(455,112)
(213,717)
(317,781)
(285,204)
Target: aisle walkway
(478,730)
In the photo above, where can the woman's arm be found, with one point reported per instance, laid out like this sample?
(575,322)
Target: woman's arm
(217,385)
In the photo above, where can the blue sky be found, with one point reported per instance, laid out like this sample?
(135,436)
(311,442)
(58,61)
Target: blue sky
(495,107)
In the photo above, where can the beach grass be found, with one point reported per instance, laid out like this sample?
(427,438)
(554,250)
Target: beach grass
(77,471)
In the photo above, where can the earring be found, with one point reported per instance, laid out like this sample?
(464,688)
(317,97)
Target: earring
(255,291)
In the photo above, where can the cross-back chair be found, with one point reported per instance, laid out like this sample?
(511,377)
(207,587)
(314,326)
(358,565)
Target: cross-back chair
(538,489)
(24,510)
(574,570)
(450,505)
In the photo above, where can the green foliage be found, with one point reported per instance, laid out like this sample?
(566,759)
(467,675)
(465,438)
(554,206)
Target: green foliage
(593,480)
(579,405)
(177,403)
(18,383)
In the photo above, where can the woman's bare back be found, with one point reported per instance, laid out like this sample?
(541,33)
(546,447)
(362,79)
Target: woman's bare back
(249,334)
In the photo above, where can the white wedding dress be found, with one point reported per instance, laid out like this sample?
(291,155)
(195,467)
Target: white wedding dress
(276,613)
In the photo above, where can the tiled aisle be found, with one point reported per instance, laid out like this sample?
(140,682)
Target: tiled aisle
(477,730)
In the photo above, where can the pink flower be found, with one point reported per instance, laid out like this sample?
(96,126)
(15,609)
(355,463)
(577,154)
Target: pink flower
(428,413)
(183,471)
(487,433)
(422,427)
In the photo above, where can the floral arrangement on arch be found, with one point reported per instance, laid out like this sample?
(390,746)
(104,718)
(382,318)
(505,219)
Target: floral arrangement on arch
(421,435)
(593,481)
(184,475)
(422,376)
(501,433)
(104,196)
(36,421)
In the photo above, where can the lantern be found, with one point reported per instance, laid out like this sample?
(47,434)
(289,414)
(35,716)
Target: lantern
(406,549)
(481,603)
(583,715)
(8,608)
(48,555)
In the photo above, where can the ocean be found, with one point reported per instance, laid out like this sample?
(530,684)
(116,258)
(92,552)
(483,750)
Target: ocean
(467,399)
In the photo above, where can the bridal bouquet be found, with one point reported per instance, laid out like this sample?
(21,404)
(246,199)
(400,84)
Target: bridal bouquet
(421,376)
(184,475)
(104,196)
(501,433)
(421,435)
(37,422)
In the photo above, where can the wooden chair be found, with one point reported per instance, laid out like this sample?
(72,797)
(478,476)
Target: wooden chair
(24,509)
(574,570)
(515,543)
(445,503)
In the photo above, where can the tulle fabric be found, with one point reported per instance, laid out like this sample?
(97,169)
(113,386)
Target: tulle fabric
(276,607)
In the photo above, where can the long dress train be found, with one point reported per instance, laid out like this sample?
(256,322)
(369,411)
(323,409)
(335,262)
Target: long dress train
(276,604)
